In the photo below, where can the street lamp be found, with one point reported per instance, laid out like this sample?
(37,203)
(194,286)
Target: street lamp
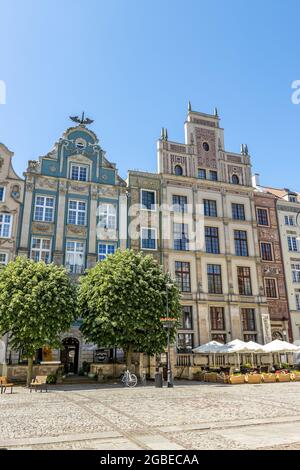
(168,323)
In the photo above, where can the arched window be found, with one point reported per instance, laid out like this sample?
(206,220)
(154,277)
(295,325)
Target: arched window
(178,170)
(235,179)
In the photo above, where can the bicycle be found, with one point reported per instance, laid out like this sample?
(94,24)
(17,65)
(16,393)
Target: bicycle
(128,379)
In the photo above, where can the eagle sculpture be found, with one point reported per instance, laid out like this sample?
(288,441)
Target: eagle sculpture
(83,121)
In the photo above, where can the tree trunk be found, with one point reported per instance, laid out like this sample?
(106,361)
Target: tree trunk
(29,370)
(129,357)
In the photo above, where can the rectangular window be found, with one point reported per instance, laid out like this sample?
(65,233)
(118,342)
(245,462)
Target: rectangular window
(183,275)
(107,216)
(180,236)
(289,220)
(297,296)
(75,256)
(148,238)
(271,288)
(5,225)
(105,249)
(266,251)
(250,337)
(217,320)
(179,203)
(244,280)
(77,213)
(240,242)
(220,337)
(187,318)
(44,209)
(212,240)
(2,193)
(214,275)
(238,211)
(213,175)
(148,200)
(210,208)
(79,172)
(292,243)
(296,272)
(3,259)
(201,174)
(41,249)
(248,319)
(185,343)
(262,216)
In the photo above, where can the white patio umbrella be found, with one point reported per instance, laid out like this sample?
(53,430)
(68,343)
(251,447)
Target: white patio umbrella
(236,346)
(278,346)
(211,347)
(254,347)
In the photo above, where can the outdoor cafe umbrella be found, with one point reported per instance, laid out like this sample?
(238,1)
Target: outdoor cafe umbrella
(209,348)
(278,346)
(236,346)
(254,347)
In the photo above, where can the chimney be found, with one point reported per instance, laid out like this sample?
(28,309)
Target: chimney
(256,179)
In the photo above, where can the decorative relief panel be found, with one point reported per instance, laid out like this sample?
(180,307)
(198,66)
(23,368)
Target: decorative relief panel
(46,183)
(76,230)
(202,122)
(39,227)
(206,158)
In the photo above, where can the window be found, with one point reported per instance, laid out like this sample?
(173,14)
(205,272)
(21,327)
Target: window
(266,251)
(180,236)
(179,203)
(250,337)
(292,243)
(235,179)
(270,288)
(107,216)
(262,216)
(183,276)
(244,280)
(75,256)
(44,209)
(213,175)
(148,238)
(210,208)
(148,200)
(5,225)
(212,240)
(79,173)
(187,318)
(214,279)
(185,342)
(41,249)
(296,272)
(297,301)
(2,193)
(3,259)
(292,198)
(178,170)
(201,174)
(77,213)
(248,319)
(205,146)
(220,337)
(289,220)
(238,211)
(105,249)
(240,242)
(217,321)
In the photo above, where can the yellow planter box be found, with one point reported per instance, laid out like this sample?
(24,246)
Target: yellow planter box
(236,379)
(283,377)
(223,379)
(253,379)
(268,378)
(295,377)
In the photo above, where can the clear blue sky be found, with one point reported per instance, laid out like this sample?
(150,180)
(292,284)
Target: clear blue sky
(133,65)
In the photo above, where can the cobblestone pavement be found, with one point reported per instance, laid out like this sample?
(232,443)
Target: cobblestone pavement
(189,416)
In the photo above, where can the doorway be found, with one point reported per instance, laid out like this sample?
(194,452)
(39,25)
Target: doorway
(69,355)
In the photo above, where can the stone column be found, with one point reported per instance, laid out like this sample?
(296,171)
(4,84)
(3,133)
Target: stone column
(123,221)
(26,219)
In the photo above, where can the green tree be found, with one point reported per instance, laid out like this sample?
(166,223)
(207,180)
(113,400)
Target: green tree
(121,301)
(37,304)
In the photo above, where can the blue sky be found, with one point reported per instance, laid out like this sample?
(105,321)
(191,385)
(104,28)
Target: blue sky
(133,65)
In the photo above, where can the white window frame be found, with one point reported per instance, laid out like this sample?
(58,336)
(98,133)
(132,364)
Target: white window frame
(141,200)
(41,249)
(3,223)
(6,258)
(295,273)
(294,244)
(106,216)
(288,219)
(297,300)
(44,207)
(4,193)
(79,166)
(76,255)
(276,287)
(272,252)
(77,211)
(106,244)
(268,216)
(154,229)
